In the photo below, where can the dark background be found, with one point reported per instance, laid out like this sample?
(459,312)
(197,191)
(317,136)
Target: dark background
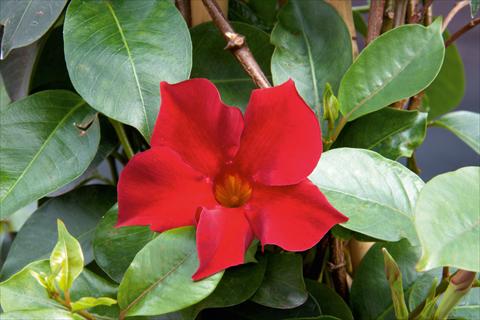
(441,150)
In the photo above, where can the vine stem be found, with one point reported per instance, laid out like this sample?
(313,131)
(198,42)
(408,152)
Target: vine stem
(338,266)
(462,31)
(122,136)
(375,20)
(458,6)
(237,44)
(185,9)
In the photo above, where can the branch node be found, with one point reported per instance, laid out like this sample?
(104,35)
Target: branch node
(235,40)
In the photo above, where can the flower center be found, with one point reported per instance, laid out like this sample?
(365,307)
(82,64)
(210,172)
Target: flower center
(232,191)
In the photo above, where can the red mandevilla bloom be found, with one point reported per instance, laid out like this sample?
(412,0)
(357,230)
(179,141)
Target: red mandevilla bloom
(235,178)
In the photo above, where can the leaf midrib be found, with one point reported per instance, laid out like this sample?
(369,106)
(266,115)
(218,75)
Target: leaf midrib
(44,145)
(132,64)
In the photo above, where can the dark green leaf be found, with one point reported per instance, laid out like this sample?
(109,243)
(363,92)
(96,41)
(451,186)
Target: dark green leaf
(211,61)
(80,210)
(118,52)
(360,24)
(474,5)
(329,302)
(391,132)
(464,124)
(24,22)
(312,47)
(156,284)
(259,13)
(446,92)
(447,220)
(385,72)
(377,194)
(283,286)
(41,149)
(115,248)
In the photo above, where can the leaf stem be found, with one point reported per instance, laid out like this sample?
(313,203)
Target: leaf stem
(462,31)
(456,8)
(122,136)
(237,45)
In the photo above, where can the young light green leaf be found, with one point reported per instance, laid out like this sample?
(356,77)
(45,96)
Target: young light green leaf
(155,283)
(330,104)
(283,286)
(430,303)
(377,194)
(385,72)
(26,21)
(447,219)
(44,313)
(394,277)
(137,52)
(90,302)
(312,47)
(66,260)
(464,124)
(41,149)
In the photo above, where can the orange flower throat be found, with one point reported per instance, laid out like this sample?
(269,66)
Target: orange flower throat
(232,191)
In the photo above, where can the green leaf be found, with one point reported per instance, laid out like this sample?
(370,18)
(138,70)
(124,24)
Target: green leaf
(468,307)
(370,292)
(329,302)
(360,24)
(377,194)
(283,286)
(4,97)
(385,72)
(141,45)
(428,310)
(446,92)
(237,285)
(50,314)
(312,47)
(23,292)
(464,124)
(447,221)
(259,13)
(155,283)
(211,61)
(80,210)
(89,302)
(421,290)
(394,277)
(115,248)
(66,260)
(40,148)
(24,22)
(474,5)
(391,132)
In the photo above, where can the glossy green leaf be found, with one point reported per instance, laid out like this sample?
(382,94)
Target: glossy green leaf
(370,292)
(421,290)
(377,194)
(118,52)
(329,302)
(392,133)
(4,97)
(447,220)
(446,92)
(80,210)
(211,61)
(360,24)
(90,302)
(41,149)
(66,259)
(237,285)
(474,6)
(312,47)
(385,72)
(283,286)
(464,124)
(155,283)
(24,22)
(394,278)
(115,248)
(23,292)
(50,314)
(259,13)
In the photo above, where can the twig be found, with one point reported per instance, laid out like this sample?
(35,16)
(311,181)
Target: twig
(185,9)
(458,6)
(375,19)
(462,31)
(338,269)
(122,136)
(400,13)
(388,15)
(445,273)
(237,45)
(412,164)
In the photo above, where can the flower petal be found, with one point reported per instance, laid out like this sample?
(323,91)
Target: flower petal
(157,188)
(195,123)
(282,142)
(293,217)
(223,236)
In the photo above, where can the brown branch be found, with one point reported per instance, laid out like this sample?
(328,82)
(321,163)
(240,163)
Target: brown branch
(237,45)
(338,266)
(400,13)
(375,20)
(458,6)
(185,9)
(462,31)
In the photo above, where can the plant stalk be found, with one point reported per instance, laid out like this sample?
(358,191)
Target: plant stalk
(122,136)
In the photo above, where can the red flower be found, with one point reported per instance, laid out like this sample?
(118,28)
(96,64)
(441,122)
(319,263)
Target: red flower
(235,178)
